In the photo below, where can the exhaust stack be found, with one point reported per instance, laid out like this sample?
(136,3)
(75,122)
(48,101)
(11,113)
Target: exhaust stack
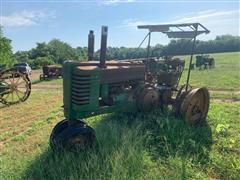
(103,49)
(90,45)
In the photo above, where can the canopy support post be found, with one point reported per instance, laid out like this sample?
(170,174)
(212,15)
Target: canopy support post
(191,58)
(143,40)
(148,48)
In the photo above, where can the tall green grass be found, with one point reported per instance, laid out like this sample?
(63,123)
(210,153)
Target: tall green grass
(136,146)
(154,146)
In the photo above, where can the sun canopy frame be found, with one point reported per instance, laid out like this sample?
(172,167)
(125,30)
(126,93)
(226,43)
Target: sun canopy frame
(184,30)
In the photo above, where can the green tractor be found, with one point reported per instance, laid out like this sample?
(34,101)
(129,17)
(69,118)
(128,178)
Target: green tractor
(95,87)
(205,61)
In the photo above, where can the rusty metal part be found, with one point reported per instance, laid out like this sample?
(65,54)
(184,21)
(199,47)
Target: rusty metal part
(15,87)
(119,74)
(166,96)
(168,78)
(195,105)
(148,99)
(167,72)
(116,73)
(149,78)
(182,92)
(108,63)
(179,98)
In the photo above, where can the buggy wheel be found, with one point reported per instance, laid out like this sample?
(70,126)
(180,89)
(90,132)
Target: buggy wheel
(195,105)
(15,87)
(76,137)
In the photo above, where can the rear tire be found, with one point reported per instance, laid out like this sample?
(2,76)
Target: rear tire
(195,105)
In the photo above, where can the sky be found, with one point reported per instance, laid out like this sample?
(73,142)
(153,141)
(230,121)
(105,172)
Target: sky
(27,22)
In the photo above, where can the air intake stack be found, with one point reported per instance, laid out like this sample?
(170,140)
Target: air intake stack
(103,49)
(90,45)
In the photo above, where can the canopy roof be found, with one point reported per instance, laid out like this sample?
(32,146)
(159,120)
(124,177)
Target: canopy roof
(185,30)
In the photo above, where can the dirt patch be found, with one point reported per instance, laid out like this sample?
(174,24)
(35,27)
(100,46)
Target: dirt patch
(44,87)
(228,100)
(224,92)
(35,74)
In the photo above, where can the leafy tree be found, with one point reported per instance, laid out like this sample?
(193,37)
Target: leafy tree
(42,50)
(39,62)
(22,56)
(61,51)
(81,53)
(6,55)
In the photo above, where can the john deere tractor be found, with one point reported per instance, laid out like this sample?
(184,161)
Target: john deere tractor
(205,61)
(95,87)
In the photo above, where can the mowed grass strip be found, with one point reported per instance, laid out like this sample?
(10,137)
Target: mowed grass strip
(225,95)
(20,119)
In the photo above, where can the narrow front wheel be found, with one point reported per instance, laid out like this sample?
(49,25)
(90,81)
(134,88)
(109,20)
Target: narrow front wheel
(74,137)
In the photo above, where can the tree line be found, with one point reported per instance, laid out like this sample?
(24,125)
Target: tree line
(224,43)
(57,51)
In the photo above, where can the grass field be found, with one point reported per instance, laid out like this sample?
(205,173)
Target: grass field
(129,146)
(224,77)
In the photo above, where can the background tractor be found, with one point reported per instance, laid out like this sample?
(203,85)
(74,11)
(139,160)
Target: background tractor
(205,61)
(141,85)
(50,72)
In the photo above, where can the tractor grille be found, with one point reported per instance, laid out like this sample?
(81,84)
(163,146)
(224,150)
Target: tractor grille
(81,89)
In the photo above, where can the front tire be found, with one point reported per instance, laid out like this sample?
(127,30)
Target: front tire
(76,137)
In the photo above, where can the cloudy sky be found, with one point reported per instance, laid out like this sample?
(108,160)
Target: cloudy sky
(26,22)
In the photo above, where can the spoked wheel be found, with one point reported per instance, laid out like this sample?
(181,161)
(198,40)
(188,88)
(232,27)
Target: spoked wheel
(14,87)
(76,137)
(195,105)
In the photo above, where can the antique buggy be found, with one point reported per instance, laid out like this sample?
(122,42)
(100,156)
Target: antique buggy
(15,86)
